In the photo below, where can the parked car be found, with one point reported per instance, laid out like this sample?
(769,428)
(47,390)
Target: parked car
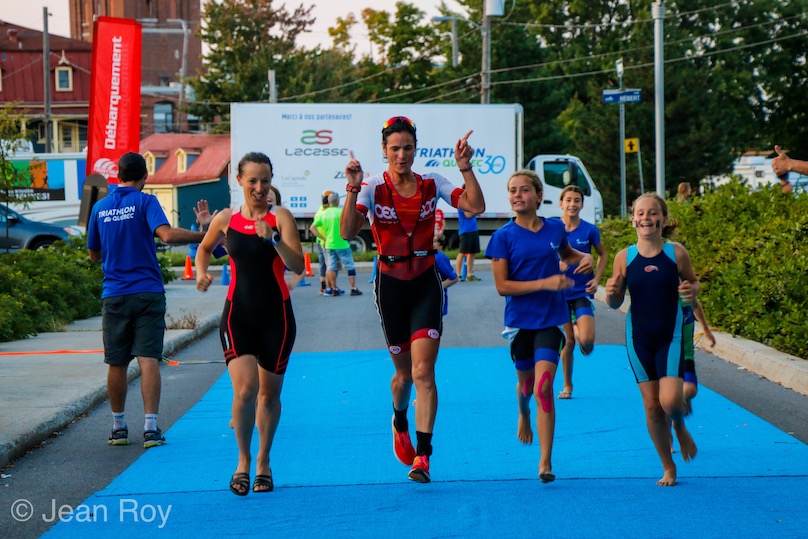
(18,232)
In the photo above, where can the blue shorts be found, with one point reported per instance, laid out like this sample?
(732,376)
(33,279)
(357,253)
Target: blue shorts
(345,256)
(580,307)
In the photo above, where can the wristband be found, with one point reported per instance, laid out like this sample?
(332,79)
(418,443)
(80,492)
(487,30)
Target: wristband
(353,188)
(466,169)
(274,239)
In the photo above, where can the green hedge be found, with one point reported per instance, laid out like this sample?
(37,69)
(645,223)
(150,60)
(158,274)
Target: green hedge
(750,251)
(44,290)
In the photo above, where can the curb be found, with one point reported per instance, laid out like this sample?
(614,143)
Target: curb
(784,369)
(37,434)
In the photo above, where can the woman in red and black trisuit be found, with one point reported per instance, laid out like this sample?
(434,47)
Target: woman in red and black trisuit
(258,326)
(408,294)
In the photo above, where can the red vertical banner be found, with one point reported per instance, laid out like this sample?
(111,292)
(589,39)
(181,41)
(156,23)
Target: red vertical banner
(114,95)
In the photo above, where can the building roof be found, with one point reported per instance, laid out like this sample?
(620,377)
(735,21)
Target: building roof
(211,164)
(21,65)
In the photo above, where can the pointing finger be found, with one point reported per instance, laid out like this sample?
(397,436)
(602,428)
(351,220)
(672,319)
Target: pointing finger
(466,136)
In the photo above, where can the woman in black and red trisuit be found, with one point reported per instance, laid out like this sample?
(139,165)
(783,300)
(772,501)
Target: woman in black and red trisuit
(258,326)
(408,294)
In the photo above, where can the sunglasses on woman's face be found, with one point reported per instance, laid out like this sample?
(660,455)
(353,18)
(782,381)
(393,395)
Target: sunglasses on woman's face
(398,119)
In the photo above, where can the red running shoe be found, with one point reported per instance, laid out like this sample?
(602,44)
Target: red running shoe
(420,469)
(402,446)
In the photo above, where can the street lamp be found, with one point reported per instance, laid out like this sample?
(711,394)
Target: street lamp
(454,34)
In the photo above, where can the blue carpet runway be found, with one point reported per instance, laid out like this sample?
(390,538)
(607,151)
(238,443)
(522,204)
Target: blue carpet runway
(336,476)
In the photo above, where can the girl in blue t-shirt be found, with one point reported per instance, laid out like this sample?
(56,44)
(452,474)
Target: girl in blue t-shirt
(585,237)
(525,262)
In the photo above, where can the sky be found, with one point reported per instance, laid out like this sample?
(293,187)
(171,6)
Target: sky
(29,13)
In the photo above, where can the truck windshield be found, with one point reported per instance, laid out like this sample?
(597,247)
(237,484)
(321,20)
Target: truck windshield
(562,173)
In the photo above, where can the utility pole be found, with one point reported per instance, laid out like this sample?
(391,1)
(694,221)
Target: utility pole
(273,87)
(46,79)
(485,88)
(619,65)
(658,13)
(492,8)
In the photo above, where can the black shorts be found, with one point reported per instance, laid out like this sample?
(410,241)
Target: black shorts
(133,325)
(269,337)
(470,242)
(529,346)
(409,309)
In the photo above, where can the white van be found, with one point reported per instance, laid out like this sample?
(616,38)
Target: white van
(558,171)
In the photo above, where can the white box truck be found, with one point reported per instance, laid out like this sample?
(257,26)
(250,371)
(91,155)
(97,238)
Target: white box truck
(309,146)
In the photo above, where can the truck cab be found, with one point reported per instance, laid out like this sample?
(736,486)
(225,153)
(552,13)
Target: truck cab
(557,172)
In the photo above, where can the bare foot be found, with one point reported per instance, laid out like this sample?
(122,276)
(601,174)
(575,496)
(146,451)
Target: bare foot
(525,432)
(686,444)
(546,474)
(668,478)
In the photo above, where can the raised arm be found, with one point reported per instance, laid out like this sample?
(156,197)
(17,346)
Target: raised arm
(472,198)
(351,219)
(217,229)
(783,164)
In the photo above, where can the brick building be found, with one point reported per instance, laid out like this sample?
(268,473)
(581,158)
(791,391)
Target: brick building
(169,35)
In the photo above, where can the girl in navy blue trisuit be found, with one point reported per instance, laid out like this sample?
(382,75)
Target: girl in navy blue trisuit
(657,273)
(524,259)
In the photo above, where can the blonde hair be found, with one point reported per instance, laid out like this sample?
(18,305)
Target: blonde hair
(670,226)
(683,191)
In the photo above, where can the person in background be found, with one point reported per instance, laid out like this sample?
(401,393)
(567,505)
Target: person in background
(582,236)
(444,266)
(120,234)
(469,234)
(320,249)
(683,192)
(783,164)
(337,249)
(408,293)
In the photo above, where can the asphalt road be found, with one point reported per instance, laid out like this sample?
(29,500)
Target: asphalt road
(70,466)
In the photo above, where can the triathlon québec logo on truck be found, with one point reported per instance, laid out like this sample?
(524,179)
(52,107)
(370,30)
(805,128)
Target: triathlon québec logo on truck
(310,139)
(444,157)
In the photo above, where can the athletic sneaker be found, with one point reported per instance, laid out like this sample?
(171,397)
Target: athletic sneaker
(420,469)
(472,278)
(339,291)
(119,437)
(402,446)
(356,292)
(153,438)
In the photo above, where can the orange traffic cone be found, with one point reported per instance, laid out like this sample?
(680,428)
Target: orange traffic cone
(189,270)
(307,259)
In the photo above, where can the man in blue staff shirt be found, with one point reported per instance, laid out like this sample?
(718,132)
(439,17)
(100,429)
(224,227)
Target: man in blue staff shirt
(120,234)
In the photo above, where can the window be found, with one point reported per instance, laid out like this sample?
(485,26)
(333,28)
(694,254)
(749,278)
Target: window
(149,157)
(64,79)
(561,174)
(67,137)
(182,161)
(163,118)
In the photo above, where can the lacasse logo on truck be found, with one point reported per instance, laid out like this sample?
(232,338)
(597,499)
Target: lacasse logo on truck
(321,137)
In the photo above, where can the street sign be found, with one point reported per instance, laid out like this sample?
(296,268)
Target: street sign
(626,95)
(632,145)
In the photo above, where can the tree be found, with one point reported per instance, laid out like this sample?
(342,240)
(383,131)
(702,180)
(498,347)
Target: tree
(247,38)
